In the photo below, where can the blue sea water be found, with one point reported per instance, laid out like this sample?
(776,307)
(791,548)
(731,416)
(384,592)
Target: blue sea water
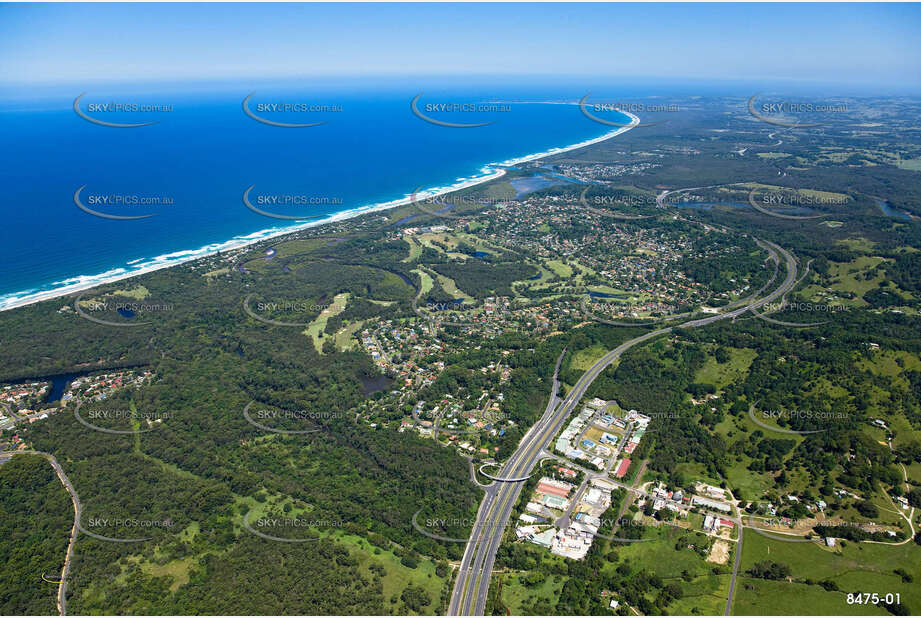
(204,152)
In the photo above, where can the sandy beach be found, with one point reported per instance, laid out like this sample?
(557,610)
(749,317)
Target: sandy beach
(491,171)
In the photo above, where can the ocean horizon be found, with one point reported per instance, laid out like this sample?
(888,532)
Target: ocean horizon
(69,176)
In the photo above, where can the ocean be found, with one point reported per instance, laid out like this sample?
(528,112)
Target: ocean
(191,168)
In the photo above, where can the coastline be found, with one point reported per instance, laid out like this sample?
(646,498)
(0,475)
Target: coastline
(80,283)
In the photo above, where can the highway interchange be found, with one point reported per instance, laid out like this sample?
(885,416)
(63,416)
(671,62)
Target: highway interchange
(473,577)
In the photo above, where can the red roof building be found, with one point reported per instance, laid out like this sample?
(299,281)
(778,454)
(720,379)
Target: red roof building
(622,468)
(553,490)
(567,472)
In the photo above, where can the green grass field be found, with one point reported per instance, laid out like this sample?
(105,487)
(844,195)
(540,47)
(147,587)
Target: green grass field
(708,589)
(516,594)
(849,277)
(660,557)
(397,576)
(722,375)
(345,337)
(415,249)
(427,281)
(762,597)
(561,269)
(137,293)
(886,363)
(858,244)
(451,287)
(315,329)
(583,359)
(177,569)
(773,155)
(855,567)
(703,596)
(752,484)
(606,289)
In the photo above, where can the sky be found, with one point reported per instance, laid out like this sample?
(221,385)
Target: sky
(863,44)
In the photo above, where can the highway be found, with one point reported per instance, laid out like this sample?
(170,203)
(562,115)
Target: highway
(78,509)
(472,584)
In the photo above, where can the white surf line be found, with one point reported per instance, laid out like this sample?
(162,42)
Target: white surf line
(490,171)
